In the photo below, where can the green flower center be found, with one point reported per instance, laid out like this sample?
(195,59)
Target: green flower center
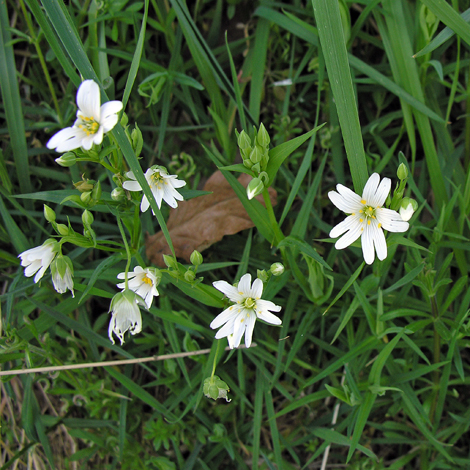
(157,179)
(369,212)
(89,125)
(249,303)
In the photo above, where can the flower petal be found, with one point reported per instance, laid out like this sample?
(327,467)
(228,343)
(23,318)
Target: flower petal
(264,305)
(249,327)
(347,224)
(226,330)
(379,198)
(66,140)
(244,286)
(371,188)
(345,199)
(88,99)
(132,186)
(224,317)
(268,317)
(367,245)
(230,291)
(391,220)
(379,241)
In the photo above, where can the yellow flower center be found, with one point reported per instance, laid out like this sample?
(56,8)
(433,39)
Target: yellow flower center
(157,180)
(249,302)
(89,125)
(147,280)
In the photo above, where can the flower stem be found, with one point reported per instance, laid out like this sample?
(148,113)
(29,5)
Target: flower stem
(215,359)
(129,257)
(278,235)
(437,357)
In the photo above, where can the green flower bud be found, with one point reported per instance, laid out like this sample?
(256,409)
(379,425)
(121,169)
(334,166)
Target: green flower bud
(244,140)
(137,140)
(118,194)
(87,217)
(256,168)
(195,258)
(263,275)
(263,136)
(215,388)
(189,275)
(248,163)
(402,172)
(170,261)
(254,188)
(124,119)
(49,214)
(407,208)
(86,197)
(67,159)
(256,154)
(277,269)
(62,229)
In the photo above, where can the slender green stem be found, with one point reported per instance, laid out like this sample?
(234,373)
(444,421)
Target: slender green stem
(108,167)
(215,359)
(42,61)
(129,257)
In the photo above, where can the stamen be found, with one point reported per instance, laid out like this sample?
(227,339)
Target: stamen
(380,225)
(147,280)
(363,201)
(368,222)
(361,220)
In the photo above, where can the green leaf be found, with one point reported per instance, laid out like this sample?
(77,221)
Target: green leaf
(305,248)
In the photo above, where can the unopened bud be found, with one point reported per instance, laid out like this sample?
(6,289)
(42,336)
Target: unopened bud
(256,154)
(262,274)
(87,217)
(96,192)
(189,275)
(195,258)
(263,136)
(170,261)
(49,214)
(86,197)
(67,159)
(244,140)
(277,269)
(118,194)
(402,172)
(407,209)
(254,188)
(62,229)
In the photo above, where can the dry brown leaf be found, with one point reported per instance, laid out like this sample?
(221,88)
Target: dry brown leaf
(198,223)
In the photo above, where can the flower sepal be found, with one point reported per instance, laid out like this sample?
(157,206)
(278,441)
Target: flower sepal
(216,388)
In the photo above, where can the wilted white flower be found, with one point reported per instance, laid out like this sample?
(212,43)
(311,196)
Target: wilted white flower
(162,185)
(248,306)
(62,274)
(368,218)
(143,282)
(38,259)
(93,120)
(125,315)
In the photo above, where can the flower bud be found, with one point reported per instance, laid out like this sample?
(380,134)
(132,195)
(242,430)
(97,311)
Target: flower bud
(49,214)
(189,275)
(277,269)
(137,140)
(247,162)
(256,154)
(87,217)
(407,209)
(96,192)
(124,119)
(67,159)
(244,140)
(254,188)
(86,197)
(262,274)
(85,185)
(170,261)
(118,194)
(195,258)
(263,136)
(402,172)
(215,388)
(62,229)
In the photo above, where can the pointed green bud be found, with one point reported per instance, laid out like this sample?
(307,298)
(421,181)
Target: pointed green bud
(254,188)
(189,275)
(256,154)
(67,159)
(244,140)
(62,229)
(248,163)
(170,261)
(195,258)
(256,168)
(49,214)
(277,269)
(124,119)
(263,136)
(137,140)
(87,218)
(402,172)
(86,197)
(96,192)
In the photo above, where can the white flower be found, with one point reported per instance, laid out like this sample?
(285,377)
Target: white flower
(143,282)
(62,274)
(162,185)
(368,218)
(241,317)
(37,260)
(93,120)
(125,315)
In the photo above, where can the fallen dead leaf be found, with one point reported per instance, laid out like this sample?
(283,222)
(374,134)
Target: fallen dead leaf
(198,223)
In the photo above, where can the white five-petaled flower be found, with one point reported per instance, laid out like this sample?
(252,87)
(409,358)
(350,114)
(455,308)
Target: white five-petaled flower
(93,120)
(125,314)
(143,282)
(248,306)
(162,185)
(37,260)
(368,218)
